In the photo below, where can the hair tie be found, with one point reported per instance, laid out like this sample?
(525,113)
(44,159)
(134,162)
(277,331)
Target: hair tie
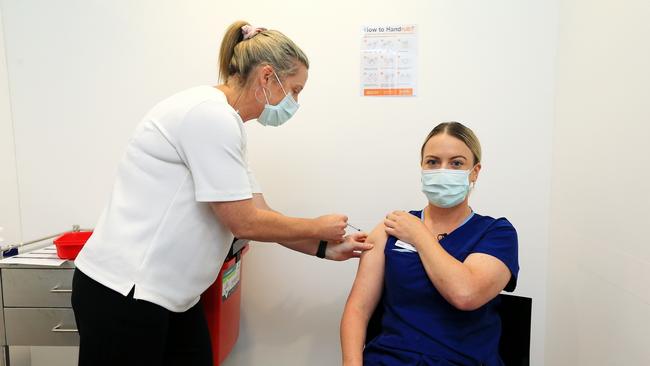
(248,31)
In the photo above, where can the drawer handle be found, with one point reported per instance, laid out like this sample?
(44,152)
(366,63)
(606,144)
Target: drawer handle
(57,329)
(57,290)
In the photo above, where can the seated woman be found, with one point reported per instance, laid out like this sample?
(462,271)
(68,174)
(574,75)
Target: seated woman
(436,272)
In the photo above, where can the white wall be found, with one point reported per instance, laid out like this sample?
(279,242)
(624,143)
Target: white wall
(84,73)
(487,64)
(9,212)
(599,298)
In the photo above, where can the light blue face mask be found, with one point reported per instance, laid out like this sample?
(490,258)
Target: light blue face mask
(445,187)
(276,115)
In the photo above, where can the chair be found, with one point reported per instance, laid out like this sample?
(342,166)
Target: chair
(514,345)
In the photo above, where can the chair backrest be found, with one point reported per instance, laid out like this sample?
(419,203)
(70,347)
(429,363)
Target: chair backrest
(514,345)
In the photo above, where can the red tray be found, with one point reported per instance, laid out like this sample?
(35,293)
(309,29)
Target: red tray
(68,245)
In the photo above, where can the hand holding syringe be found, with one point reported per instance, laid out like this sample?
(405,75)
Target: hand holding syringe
(351,247)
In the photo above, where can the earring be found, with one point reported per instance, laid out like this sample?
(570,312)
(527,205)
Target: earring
(264,91)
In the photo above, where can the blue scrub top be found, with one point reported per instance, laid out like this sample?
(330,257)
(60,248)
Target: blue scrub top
(419,327)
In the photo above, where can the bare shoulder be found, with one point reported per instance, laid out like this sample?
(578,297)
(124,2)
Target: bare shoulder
(377,238)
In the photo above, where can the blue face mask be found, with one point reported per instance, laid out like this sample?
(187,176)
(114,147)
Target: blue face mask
(276,115)
(445,187)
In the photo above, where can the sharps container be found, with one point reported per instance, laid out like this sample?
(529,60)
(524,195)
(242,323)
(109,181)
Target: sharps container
(222,303)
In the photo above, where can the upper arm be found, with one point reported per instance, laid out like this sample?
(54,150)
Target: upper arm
(494,261)
(260,202)
(490,276)
(367,288)
(234,214)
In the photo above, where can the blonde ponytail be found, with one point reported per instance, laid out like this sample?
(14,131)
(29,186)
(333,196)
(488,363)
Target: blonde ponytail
(230,39)
(239,56)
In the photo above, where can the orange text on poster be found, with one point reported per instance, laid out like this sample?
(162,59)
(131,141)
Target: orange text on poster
(386,92)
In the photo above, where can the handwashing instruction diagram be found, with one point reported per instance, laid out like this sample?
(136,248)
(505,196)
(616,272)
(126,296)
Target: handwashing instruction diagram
(388,60)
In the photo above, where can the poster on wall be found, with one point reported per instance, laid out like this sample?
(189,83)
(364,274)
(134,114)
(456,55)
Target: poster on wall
(388,60)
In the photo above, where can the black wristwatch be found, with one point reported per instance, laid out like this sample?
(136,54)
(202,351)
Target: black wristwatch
(322,247)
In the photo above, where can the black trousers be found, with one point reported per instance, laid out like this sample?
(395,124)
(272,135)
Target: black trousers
(119,330)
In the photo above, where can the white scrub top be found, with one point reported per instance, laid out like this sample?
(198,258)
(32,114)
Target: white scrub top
(157,232)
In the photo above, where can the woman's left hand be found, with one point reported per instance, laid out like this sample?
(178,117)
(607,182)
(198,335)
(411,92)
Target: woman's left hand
(351,247)
(404,226)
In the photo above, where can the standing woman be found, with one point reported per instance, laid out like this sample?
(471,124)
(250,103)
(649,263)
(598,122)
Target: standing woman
(183,190)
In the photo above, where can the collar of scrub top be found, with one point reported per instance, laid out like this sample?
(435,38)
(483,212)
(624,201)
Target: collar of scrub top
(471,214)
(444,235)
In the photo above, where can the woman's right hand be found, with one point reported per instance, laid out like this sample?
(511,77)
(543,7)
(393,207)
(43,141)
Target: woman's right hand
(331,227)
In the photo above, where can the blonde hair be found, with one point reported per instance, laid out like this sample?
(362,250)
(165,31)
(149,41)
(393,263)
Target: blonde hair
(459,131)
(239,56)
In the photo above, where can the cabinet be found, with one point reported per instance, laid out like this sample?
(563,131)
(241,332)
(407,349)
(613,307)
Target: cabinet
(35,307)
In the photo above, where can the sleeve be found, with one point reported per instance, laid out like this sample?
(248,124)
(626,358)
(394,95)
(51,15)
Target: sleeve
(500,241)
(210,141)
(255,185)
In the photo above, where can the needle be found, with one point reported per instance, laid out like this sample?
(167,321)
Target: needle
(354,227)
